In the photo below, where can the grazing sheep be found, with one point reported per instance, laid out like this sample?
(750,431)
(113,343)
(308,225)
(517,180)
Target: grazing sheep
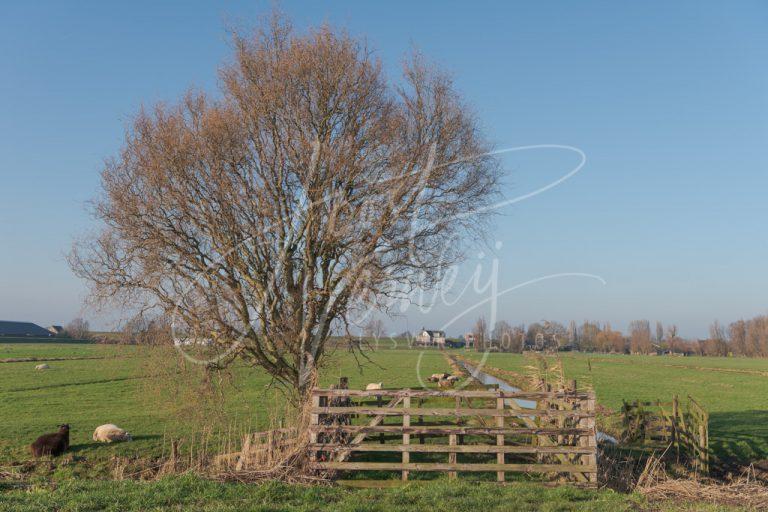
(445,383)
(42,367)
(453,378)
(373,386)
(109,433)
(51,444)
(437,377)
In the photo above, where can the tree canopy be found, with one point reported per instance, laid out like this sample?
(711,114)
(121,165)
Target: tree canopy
(311,189)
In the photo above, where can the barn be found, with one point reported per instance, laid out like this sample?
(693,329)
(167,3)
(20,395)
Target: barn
(8,328)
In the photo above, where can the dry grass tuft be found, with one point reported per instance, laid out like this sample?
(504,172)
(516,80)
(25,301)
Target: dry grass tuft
(277,454)
(230,454)
(740,493)
(743,491)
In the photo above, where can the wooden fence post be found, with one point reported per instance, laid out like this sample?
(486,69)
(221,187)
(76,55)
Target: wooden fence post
(314,422)
(421,421)
(702,449)
(500,438)
(379,403)
(406,437)
(589,440)
(452,455)
(675,414)
(460,421)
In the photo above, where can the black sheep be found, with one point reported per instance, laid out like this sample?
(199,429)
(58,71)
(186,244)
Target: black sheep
(51,444)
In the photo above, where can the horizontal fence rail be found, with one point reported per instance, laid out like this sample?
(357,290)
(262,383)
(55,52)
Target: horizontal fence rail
(456,431)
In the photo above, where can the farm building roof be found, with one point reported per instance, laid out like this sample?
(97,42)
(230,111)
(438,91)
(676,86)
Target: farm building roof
(8,328)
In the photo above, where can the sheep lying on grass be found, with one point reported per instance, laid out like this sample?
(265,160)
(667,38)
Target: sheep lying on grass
(373,386)
(448,382)
(42,367)
(109,433)
(51,444)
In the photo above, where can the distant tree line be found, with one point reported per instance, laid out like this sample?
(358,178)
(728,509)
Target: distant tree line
(741,338)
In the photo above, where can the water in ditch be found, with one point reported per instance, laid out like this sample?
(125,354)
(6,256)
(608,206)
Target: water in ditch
(490,380)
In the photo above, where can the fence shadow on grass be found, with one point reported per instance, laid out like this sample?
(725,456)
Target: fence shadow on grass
(738,438)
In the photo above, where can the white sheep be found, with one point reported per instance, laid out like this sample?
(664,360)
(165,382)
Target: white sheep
(109,433)
(373,386)
(42,367)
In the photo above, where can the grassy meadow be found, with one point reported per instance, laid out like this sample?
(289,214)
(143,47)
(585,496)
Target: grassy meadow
(118,384)
(95,384)
(733,390)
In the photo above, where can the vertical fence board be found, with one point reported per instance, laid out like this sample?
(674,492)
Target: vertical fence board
(500,439)
(406,437)
(452,457)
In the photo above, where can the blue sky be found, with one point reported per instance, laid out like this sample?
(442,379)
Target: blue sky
(669,102)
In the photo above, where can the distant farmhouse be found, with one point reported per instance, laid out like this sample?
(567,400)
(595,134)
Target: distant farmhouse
(56,330)
(19,329)
(427,338)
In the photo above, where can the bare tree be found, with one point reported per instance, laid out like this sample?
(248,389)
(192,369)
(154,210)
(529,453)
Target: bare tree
(573,334)
(534,336)
(738,334)
(374,328)
(587,336)
(608,340)
(659,333)
(555,333)
(78,329)
(311,191)
(717,344)
(149,330)
(757,336)
(640,336)
(510,339)
(502,327)
(481,333)
(673,340)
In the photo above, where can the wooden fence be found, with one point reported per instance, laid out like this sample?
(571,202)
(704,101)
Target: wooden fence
(457,431)
(686,428)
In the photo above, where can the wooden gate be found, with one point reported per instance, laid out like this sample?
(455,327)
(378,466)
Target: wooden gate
(686,428)
(549,433)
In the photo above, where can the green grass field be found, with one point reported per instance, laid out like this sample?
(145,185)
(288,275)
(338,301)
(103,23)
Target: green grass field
(733,390)
(190,493)
(102,383)
(111,388)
